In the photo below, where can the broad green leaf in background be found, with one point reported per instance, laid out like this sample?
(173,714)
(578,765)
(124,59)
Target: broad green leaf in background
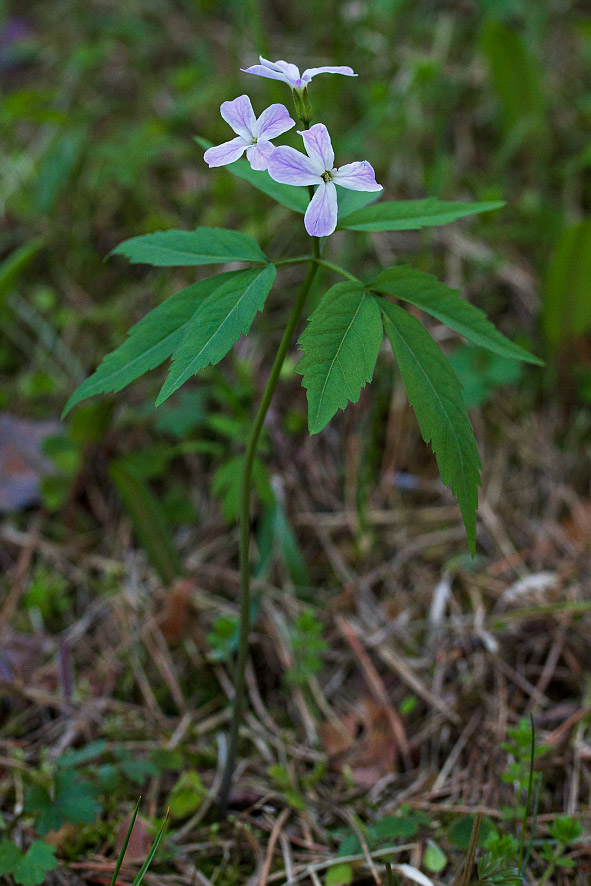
(351,201)
(29,868)
(340,346)
(566,295)
(480,373)
(276,537)
(295,198)
(74,801)
(149,520)
(517,78)
(340,874)
(187,795)
(149,343)
(410,215)
(218,322)
(204,246)
(445,304)
(17,261)
(436,396)
(57,165)
(227,480)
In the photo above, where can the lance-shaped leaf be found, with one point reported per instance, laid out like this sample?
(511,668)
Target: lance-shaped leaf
(340,346)
(445,304)
(294,197)
(436,396)
(409,215)
(204,246)
(218,322)
(149,343)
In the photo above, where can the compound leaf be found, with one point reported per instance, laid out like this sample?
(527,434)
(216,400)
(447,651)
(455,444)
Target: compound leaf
(436,396)
(204,246)
(34,864)
(218,322)
(409,215)
(74,801)
(340,346)
(149,343)
(445,304)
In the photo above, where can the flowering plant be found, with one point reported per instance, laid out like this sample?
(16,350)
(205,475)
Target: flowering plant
(340,344)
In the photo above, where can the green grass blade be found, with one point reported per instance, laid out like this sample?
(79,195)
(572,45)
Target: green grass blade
(140,874)
(125,842)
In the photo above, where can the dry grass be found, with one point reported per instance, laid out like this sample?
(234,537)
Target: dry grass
(405,614)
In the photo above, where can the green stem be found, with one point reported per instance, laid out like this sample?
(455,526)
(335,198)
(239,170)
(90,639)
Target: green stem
(552,866)
(297,260)
(245,490)
(338,270)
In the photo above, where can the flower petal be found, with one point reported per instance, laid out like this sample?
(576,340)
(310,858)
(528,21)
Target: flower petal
(273,65)
(321,215)
(319,148)
(358,176)
(328,69)
(290,167)
(292,72)
(274,121)
(263,71)
(240,116)
(221,155)
(259,155)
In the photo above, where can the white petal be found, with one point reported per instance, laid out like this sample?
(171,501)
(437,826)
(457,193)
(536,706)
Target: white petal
(358,176)
(274,121)
(264,71)
(319,148)
(240,116)
(321,215)
(228,152)
(291,167)
(328,69)
(292,72)
(259,155)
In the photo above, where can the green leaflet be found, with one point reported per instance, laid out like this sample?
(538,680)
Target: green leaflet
(149,343)
(436,396)
(218,322)
(409,215)
(517,78)
(340,346)
(204,246)
(445,304)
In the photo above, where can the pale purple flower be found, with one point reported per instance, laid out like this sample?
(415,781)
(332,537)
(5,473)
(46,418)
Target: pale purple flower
(290,167)
(252,135)
(290,74)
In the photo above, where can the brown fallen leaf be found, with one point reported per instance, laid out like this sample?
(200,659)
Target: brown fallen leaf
(578,525)
(176,611)
(363,741)
(140,841)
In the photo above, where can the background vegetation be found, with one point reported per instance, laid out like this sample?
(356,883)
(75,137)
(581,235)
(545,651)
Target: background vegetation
(387,666)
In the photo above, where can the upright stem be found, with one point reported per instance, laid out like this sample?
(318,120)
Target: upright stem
(245,490)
